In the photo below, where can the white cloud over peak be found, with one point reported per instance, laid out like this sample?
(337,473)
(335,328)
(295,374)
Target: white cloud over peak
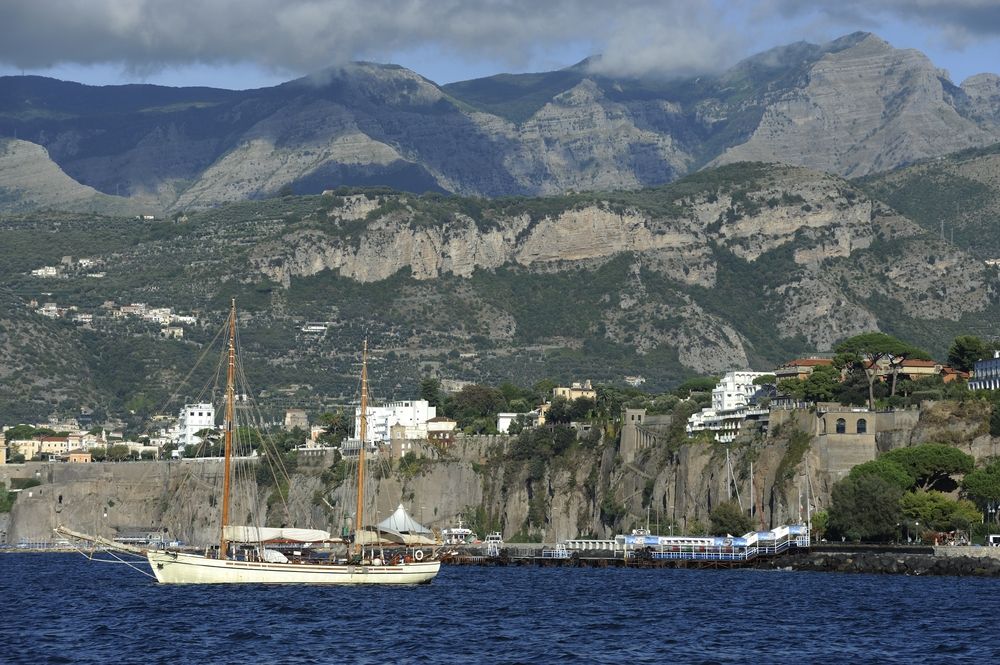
(635,37)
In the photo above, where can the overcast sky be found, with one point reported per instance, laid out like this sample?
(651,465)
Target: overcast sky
(254,43)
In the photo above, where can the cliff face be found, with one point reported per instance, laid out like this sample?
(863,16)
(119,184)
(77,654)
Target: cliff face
(590,491)
(831,248)
(851,107)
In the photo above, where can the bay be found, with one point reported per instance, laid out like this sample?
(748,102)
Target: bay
(61,608)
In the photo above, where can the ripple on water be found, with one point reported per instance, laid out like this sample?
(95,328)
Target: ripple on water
(89,613)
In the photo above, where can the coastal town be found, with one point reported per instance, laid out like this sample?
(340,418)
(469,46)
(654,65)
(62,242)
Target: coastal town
(742,404)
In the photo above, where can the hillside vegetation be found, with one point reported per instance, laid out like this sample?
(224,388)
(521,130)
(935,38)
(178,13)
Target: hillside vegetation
(741,266)
(958,195)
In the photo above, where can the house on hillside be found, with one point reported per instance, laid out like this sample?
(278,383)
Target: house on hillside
(441,431)
(79,456)
(575,391)
(800,368)
(296,418)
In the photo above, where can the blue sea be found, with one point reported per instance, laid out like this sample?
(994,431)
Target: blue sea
(61,608)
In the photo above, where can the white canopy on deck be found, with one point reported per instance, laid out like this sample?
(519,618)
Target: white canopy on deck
(401,522)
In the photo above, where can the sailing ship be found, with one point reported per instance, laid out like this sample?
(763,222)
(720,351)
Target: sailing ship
(258,564)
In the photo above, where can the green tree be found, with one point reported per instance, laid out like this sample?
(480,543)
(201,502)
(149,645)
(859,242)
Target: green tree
(822,384)
(932,465)
(140,405)
(867,351)
(727,519)
(983,486)
(544,388)
(558,411)
(19,432)
(820,522)
(865,508)
(886,469)
(336,427)
(938,512)
(965,351)
(697,384)
(430,390)
(476,401)
(581,408)
(28,432)
(119,453)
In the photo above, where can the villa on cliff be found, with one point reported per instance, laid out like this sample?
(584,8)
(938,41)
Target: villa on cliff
(739,405)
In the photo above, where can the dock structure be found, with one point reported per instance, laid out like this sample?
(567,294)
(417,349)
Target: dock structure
(642,550)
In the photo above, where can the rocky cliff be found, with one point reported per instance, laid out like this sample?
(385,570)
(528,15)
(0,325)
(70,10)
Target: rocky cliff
(590,490)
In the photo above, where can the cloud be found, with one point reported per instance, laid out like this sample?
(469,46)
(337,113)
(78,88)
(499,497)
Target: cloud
(636,37)
(956,20)
(681,40)
(305,35)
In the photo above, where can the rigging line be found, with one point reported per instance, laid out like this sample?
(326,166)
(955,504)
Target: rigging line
(184,381)
(252,408)
(267,442)
(215,379)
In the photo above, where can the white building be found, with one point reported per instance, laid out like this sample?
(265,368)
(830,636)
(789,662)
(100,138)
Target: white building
(505,420)
(730,398)
(161,315)
(193,419)
(987,374)
(734,390)
(49,309)
(411,414)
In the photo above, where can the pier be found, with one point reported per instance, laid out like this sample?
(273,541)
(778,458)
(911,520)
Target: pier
(641,550)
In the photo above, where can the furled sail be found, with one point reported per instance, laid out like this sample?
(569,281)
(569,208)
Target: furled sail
(255,534)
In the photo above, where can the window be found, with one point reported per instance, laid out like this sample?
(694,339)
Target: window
(862,426)
(841,426)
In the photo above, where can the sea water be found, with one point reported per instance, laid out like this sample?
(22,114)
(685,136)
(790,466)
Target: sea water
(61,608)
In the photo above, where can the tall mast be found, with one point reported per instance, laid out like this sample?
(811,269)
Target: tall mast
(228,427)
(362,432)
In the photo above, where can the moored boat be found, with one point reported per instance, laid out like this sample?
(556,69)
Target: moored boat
(243,555)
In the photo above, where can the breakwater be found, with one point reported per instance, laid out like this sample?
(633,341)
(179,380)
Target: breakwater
(978,562)
(880,560)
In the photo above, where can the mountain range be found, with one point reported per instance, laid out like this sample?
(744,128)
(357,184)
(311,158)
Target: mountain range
(560,225)
(851,107)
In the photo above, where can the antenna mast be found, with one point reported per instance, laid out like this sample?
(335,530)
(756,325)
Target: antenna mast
(362,433)
(228,427)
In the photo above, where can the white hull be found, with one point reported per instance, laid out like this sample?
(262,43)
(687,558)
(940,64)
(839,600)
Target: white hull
(182,568)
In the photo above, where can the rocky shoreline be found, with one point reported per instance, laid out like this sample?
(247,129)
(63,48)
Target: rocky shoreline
(891,563)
